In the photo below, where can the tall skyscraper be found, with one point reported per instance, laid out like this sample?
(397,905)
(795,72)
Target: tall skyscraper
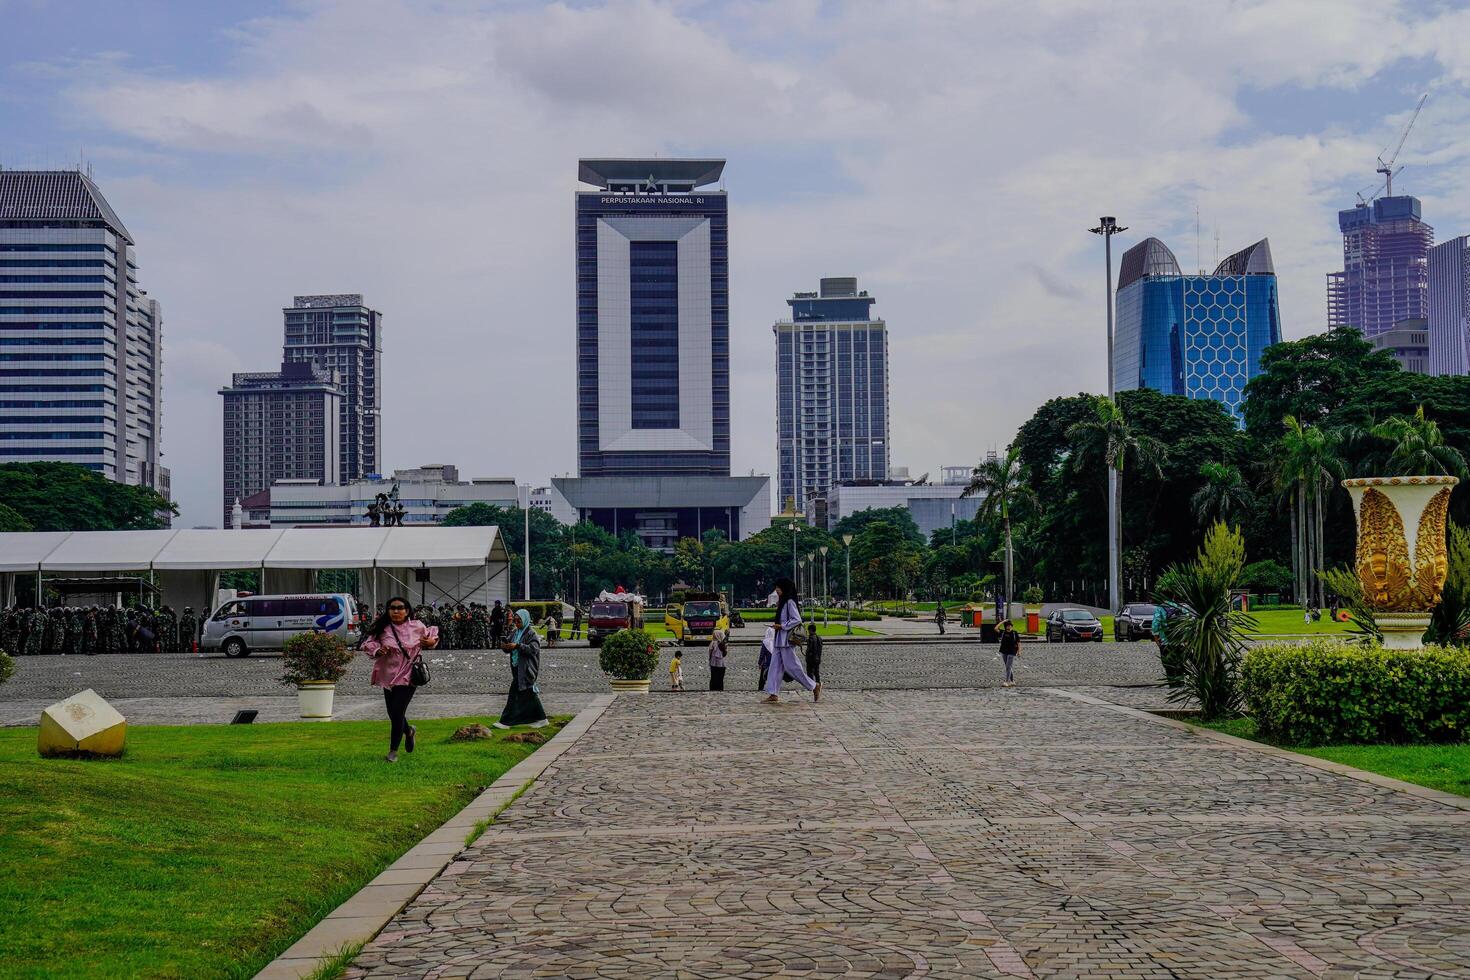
(653,355)
(831,392)
(339,333)
(1200,336)
(280,425)
(1385,266)
(1449,307)
(80,342)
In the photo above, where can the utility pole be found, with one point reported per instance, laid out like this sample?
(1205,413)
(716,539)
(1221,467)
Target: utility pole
(1107,227)
(847,556)
(823,550)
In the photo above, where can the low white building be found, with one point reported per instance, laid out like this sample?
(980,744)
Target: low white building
(550,500)
(932,505)
(427,494)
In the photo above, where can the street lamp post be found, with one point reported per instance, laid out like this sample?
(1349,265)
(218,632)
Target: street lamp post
(794,571)
(801,572)
(823,550)
(811,572)
(847,555)
(1107,227)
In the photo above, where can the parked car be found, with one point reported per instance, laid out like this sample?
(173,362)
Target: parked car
(1073,625)
(1135,622)
(266,622)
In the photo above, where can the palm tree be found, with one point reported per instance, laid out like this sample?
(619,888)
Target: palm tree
(1110,435)
(1001,479)
(1418,447)
(1308,463)
(1223,495)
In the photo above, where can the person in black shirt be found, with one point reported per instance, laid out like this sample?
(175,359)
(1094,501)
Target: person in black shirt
(1010,649)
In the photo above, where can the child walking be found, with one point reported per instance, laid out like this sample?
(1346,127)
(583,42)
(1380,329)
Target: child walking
(676,673)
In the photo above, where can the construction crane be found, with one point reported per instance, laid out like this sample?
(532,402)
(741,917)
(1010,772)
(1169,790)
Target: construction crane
(1386,168)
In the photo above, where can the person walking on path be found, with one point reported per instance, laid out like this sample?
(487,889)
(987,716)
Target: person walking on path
(783,651)
(1010,649)
(719,648)
(393,641)
(676,673)
(523,703)
(814,652)
(940,617)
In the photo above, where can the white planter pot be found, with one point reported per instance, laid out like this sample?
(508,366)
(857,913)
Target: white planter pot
(315,698)
(1401,561)
(631,687)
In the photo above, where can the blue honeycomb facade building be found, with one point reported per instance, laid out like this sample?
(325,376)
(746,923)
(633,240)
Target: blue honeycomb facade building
(1199,336)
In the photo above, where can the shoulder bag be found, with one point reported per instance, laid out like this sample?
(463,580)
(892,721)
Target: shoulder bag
(418,671)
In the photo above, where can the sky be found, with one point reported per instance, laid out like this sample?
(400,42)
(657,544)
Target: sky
(951,155)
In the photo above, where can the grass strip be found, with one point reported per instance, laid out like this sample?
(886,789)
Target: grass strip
(482,825)
(1441,767)
(206,850)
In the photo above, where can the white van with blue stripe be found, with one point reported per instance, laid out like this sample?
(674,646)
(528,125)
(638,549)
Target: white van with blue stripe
(264,622)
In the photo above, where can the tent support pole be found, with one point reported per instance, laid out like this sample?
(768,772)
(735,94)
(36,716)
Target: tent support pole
(38,587)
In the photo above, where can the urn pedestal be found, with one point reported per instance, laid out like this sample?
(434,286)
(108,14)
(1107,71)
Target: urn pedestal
(1401,561)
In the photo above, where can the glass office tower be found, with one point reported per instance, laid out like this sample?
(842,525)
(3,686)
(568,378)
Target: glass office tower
(831,392)
(1200,336)
(1449,307)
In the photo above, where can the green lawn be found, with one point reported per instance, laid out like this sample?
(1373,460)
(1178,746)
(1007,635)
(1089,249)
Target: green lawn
(206,850)
(1442,767)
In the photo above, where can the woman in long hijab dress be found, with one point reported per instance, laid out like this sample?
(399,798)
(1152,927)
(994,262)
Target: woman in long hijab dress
(784,660)
(523,703)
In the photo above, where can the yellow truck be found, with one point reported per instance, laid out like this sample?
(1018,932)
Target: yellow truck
(694,617)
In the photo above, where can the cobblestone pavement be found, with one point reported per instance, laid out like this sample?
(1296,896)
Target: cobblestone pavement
(986,833)
(486,674)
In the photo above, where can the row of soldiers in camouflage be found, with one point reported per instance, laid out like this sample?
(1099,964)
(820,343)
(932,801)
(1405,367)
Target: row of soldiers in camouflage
(462,626)
(98,629)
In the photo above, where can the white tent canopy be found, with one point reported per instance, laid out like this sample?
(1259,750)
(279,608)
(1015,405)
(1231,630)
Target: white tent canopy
(465,563)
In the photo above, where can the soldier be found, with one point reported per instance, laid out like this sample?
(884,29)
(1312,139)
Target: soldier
(168,630)
(9,631)
(90,638)
(35,641)
(188,629)
(497,623)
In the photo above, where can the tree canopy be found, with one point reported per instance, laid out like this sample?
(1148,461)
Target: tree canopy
(66,497)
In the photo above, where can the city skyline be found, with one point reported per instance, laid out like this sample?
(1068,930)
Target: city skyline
(248,170)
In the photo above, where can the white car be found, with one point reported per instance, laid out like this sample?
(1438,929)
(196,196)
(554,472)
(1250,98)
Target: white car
(265,622)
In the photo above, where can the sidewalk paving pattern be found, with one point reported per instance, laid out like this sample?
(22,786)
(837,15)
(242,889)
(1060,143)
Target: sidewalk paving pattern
(952,833)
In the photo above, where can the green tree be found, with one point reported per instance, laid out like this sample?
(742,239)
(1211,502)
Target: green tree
(885,561)
(1209,634)
(1002,484)
(899,517)
(1418,447)
(690,563)
(1310,379)
(11,520)
(1224,495)
(549,554)
(1308,463)
(67,497)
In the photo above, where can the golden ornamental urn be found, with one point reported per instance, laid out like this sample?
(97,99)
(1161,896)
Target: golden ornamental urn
(1401,559)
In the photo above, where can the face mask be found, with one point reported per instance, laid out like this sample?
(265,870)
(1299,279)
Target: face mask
(773,598)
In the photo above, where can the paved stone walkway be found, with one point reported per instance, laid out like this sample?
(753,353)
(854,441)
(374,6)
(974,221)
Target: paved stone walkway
(954,833)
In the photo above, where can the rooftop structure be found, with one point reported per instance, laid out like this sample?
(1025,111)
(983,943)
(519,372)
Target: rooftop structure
(655,175)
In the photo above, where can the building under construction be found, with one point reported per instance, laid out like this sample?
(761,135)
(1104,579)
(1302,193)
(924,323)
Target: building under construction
(1385,266)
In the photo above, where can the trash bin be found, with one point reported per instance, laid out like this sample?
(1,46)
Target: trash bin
(1033,622)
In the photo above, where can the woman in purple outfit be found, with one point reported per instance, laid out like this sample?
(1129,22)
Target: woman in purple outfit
(784,660)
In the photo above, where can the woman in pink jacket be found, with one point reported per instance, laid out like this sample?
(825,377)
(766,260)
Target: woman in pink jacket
(393,641)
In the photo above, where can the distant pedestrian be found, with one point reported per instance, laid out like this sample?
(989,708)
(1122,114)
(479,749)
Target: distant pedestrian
(788,633)
(940,617)
(676,673)
(497,623)
(814,653)
(576,620)
(1010,649)
(393,641)
(719,647)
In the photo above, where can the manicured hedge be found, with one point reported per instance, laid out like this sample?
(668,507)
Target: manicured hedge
(539,609)
(1327,693)
(766,614)
(629,655)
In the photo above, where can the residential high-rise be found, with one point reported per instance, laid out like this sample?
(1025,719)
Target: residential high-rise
(280,425)
(1385,256)
(1449,307)
(80,342)
(653,355)
(1408,343)
(339,333)
(831,392)
(1200,336)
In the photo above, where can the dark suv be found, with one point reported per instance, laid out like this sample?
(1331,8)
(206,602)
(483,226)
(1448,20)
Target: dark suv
(1072,626)
(1135,622)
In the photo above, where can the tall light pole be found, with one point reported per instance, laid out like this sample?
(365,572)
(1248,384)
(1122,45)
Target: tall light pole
(811,572)
(801,572)
(526,512)
(794,571)
(823,550)
(847,554)
(1107,227)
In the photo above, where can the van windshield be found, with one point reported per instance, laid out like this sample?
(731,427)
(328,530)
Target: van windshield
(701,609)
(610,610)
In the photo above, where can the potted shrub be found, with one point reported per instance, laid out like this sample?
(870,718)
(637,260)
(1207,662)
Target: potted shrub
(315,662)
(629,658)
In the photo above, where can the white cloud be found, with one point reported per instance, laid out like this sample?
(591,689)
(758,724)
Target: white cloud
(425,155)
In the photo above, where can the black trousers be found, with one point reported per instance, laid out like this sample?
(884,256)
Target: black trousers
(814,666)
(397,699)
(717,678)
